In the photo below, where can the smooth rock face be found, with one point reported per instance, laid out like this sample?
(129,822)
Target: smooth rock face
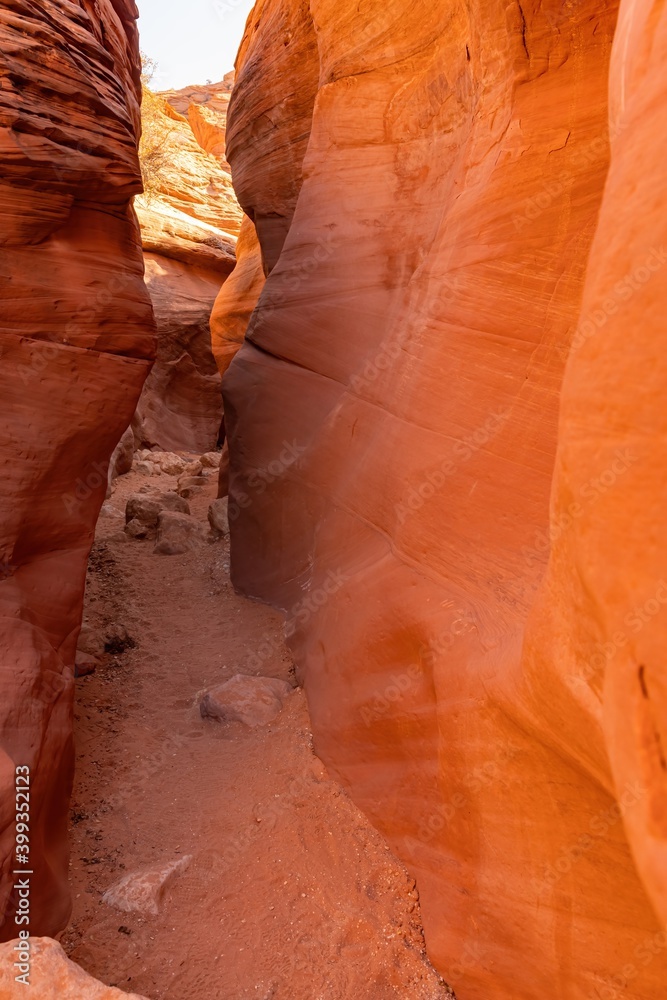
(237,298)
(267,177)
(189,223)
(477,669)
(254,701)
(603,606)
(52,976)
(76,343)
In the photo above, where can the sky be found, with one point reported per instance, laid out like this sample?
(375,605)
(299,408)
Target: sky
(191,41)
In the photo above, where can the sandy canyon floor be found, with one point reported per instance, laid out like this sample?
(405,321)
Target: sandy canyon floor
(289,893)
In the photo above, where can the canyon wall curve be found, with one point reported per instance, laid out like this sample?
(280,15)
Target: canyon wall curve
(78,340)
(449,548)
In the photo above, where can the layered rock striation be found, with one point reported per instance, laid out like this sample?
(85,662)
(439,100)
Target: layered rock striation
(189,222)
(76,345)
(445,427)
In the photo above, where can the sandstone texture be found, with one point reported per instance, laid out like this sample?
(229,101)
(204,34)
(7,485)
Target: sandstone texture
(206,106)
(52,976)
(76,344)
(460,341)
(237,298)
(189,221)
(268,174)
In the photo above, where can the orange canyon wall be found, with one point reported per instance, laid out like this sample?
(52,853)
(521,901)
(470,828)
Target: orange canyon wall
(77,340)
(189,220)
(445,428)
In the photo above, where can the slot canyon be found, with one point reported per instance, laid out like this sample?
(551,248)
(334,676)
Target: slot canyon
(333,579)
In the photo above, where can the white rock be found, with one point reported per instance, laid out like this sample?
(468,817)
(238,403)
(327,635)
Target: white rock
(141,891)
(52,976)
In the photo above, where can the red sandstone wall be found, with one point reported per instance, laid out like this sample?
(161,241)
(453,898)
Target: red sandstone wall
(77,340)
(394,423)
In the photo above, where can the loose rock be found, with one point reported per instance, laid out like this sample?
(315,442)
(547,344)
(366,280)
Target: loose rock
(193,468)
(142,508)
(254,701)
(141,892)
(135,529)
(172,501)
(91,641)
(218,517)
(178,533)
(169,462)
(145,468)
(190,486)
(85,664)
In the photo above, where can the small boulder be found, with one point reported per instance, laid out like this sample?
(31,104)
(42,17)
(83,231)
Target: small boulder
(91,641)
(170,463)
(145,468)
(144,508)
(254,701)
(141,892)
(178,533)
(135,529)
(190,486)
(211,460)
(85,664)
(218,517)
(117,640)
(172,501)
(193,468)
